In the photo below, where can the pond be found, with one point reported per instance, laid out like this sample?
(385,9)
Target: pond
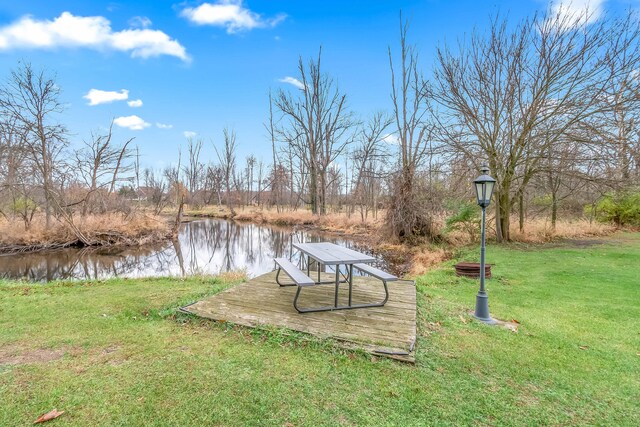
(208,246)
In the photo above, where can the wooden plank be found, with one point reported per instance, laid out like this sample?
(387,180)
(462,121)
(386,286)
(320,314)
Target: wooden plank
(355,337)
(402,313)
(369,332)
(388,331)
(371,314)
(366,327)
(320,298)
(284,296)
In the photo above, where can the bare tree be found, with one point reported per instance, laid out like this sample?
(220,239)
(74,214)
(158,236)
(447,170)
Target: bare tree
(194,168)
(156,190)
(227,159)
(276,186)
(615,126)
(260,182)
(31,99)
(99,163)
(214,182)
(17,183)
(408,215)
(368,156)
(316,125)
(249,171)
(509,94)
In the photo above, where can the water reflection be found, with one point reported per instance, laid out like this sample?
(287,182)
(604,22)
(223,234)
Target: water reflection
(203,247)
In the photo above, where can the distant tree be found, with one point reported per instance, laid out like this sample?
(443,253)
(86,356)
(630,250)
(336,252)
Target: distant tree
(260,182)
(30,100)
(156,190)
(249,178)
(100,164)
(409,215)
(194,168)
(508,95)
(276,187)
(367,158)
(316,126)
(17,176)
(227,159)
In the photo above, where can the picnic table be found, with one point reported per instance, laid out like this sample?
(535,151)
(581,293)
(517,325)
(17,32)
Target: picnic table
(330,254)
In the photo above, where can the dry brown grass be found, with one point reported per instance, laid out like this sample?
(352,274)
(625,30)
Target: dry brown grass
(233,276)
(332,222)
(427,258)
(412,261)
(138,228)
(540,230)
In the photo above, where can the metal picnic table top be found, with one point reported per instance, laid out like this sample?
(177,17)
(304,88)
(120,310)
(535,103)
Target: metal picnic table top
(331,254)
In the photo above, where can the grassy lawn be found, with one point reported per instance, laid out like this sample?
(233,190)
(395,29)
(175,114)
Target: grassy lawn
(116,352)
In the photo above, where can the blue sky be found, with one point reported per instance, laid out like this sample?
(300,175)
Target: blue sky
(194,66)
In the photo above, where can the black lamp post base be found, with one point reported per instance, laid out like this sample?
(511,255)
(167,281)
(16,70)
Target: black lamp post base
(488,321)
(482,309)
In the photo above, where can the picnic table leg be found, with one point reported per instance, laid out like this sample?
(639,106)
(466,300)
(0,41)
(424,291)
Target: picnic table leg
(278,279)
(337,284)
(350,282)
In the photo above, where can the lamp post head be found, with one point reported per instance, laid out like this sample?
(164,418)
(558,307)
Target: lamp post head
(484,186)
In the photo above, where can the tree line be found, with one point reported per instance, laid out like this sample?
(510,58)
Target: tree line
(550,103)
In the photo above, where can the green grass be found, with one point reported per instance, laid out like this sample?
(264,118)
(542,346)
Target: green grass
(128,358)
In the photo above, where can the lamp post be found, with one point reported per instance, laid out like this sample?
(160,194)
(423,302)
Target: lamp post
(484,189)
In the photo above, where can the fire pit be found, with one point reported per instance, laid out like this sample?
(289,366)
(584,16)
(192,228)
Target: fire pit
(472,270)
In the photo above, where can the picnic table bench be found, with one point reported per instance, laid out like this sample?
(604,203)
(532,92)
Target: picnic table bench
(331,254)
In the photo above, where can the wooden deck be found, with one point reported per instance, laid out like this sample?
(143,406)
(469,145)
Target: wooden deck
(386,331)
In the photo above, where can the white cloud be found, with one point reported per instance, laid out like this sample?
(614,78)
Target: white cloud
(163,126)
(131,122)
(92,32)
(140,22)
(391,139)
(292,81)
(97,96)
(135,103)
(229,14)
(189,134)
(575,12)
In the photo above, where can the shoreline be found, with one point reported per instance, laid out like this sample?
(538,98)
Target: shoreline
(95,231)
(121,232)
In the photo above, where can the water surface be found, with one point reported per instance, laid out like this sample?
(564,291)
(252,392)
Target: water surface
(208,246)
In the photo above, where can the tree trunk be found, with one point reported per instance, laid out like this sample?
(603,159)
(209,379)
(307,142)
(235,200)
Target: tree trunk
(502,216)
(313,188)
(521,212)
(322,193)
(554,210)
(176,225)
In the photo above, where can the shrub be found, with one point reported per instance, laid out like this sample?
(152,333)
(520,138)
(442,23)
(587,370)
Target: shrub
(23,205)
(621,208)
(465,219)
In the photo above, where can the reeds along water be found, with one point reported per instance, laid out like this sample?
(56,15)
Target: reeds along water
(138,228)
